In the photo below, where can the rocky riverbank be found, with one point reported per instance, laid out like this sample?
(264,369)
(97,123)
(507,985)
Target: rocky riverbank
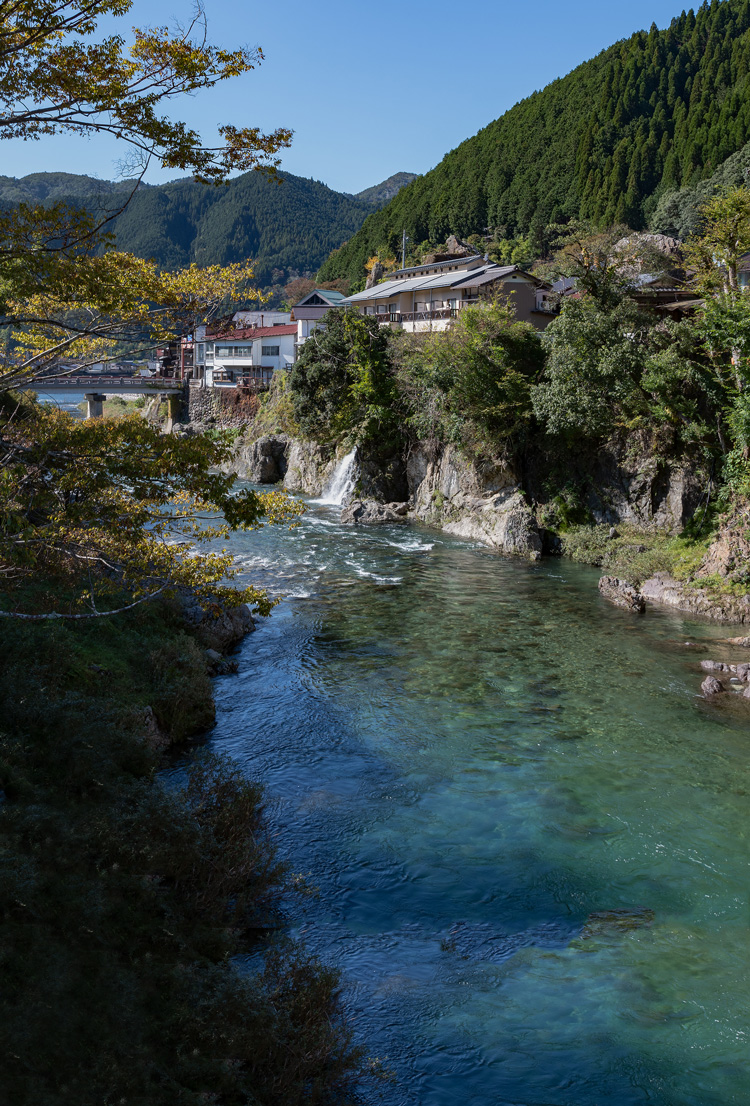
(483,502)
(638,506)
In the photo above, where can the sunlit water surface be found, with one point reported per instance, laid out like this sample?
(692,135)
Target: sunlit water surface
(470,755)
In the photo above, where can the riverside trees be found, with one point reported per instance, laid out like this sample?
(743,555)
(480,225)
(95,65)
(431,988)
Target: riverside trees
(108,515)
(122,902)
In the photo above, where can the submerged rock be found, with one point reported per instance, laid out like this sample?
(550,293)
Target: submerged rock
(365,512)
(606,922)
(622,594)
(712,686)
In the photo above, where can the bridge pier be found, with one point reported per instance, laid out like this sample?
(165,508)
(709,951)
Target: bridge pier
(174,403)
(95,403)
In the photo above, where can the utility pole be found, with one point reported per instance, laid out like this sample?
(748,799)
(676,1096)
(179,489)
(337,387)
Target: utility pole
(404,240)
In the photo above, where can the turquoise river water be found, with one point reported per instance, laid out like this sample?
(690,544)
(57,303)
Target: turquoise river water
(470,756)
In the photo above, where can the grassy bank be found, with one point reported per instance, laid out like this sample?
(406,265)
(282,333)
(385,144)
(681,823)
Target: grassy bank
(635,554)
(115,407)
(123,900)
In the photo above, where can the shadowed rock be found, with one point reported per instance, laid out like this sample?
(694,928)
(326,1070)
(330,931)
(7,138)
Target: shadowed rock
(711,686)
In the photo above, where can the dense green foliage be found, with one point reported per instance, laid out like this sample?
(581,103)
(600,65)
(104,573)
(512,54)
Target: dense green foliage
(292,225)
(470,385)
(124,899)
(342,383)
(660,110)
(613,367)
(678,212)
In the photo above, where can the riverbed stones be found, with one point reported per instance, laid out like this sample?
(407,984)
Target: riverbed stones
(711,686)
(716,666)
(366,512)
(622,593)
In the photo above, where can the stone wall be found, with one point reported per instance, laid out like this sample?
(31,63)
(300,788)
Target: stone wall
(223,407)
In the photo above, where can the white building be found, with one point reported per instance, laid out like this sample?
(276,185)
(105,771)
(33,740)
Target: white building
(251,354)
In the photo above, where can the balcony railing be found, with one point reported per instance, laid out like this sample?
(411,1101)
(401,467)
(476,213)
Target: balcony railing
(436,315)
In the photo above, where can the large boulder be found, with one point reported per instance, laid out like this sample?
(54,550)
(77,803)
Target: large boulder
(363,512)
(478,499)
(264,461)
(503,521)
(622,594)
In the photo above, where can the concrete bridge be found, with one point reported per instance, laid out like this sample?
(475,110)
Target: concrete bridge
(107,386)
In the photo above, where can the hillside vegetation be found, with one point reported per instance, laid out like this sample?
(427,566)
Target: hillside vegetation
(653,113)
(292,225)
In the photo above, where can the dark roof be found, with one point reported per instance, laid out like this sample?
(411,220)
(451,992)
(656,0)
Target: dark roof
(327,294)
(249,334)
(454,262)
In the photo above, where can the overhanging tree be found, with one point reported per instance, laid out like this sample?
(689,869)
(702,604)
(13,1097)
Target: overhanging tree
(59,75)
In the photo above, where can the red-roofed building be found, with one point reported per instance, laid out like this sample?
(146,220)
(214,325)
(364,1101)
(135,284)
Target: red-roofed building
(250,354)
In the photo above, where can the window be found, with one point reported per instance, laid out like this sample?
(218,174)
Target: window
(201,353)
(269,351)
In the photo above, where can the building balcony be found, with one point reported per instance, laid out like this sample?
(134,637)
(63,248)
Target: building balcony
(439,314)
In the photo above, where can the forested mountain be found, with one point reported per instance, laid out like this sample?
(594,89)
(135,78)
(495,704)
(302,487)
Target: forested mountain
(381,193)
(48,188)
(677,212)
(653,113)
(284,226)
(287,228)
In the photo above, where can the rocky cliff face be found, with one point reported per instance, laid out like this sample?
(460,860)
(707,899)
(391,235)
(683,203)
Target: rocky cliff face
(626,481)
(484,499)
(478,500)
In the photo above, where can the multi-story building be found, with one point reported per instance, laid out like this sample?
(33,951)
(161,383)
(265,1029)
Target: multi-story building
(249,355)
(429,297)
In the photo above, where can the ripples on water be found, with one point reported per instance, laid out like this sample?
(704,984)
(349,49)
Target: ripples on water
(470,756)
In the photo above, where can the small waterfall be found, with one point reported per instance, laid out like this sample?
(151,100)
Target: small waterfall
(341,482)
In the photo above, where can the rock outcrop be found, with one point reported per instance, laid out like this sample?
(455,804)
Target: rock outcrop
(308,467)
(622,594)
(263,461)
(480,500)
(695,600)
(624,482)
(218,627)
(363,512)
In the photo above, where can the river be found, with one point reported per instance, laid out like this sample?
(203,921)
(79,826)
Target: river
(470,756)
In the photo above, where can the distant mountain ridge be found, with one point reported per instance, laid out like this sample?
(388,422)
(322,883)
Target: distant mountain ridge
(287,229)
(382,193)
(656,112)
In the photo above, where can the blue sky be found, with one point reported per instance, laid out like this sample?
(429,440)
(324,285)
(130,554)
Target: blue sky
(369,89)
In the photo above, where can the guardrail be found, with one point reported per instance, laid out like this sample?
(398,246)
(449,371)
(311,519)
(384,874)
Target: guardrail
(102,383)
